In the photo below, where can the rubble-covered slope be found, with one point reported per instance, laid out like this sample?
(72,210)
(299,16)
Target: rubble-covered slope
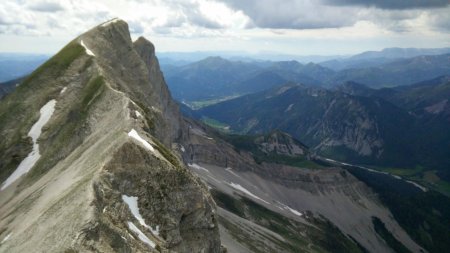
(284,200)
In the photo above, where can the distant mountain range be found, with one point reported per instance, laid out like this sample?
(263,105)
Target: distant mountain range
(215,77)
(403,126)
(197,76)
(13,66)
(243,56)
(376,58)
(396,73)
(423,99)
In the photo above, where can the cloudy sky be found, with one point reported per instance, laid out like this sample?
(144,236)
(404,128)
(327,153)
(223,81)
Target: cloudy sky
(303,27)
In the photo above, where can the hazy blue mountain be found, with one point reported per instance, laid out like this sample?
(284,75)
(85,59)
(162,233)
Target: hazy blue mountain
(208,78)
(377,58)
(216,77)
(395,53)
(13,65)
(396,73)
(424,99)
(354,88)
(342,64)
(259,82)
(246,56)
(310,74)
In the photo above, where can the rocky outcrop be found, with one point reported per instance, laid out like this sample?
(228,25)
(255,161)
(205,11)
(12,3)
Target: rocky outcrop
(107,179)
(281,144)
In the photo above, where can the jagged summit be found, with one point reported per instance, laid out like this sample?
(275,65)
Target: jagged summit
(114,50)
(105,179)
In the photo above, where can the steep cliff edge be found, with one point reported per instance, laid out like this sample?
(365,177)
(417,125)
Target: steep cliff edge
(99,175)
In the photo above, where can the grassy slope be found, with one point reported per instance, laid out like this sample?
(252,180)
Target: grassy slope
(70,133)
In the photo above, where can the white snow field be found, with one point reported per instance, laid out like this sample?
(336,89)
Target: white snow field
(133,134)
(35,131)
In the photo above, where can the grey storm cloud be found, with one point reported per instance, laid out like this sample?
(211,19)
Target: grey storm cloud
(292,14)
(392,4)
(46,6)
(393,15)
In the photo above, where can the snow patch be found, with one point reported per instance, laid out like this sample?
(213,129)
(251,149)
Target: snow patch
(197,167)
(230,170)
(242,189)
(132,203)
(289,108)
(88,51)
(35,131)
(285,207)
(141,235)
(133,134)
(138,114)
(182,149)
(63,90)
(293,211)
(6,238)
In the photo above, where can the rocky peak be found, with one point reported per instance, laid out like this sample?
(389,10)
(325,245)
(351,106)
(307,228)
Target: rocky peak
(106,179)
(280,143)
(133,68)
(165,103)
(145,49)
(110,36)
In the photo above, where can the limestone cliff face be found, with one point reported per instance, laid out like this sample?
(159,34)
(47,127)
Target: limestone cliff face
(106,179)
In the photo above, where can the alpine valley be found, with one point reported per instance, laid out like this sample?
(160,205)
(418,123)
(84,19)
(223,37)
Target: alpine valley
(256,156)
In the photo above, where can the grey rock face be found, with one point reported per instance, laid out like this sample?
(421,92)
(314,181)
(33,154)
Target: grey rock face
(108,140)
(169,198)
(134,69)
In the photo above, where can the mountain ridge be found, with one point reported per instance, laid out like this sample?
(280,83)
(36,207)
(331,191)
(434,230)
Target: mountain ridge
(103,152)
